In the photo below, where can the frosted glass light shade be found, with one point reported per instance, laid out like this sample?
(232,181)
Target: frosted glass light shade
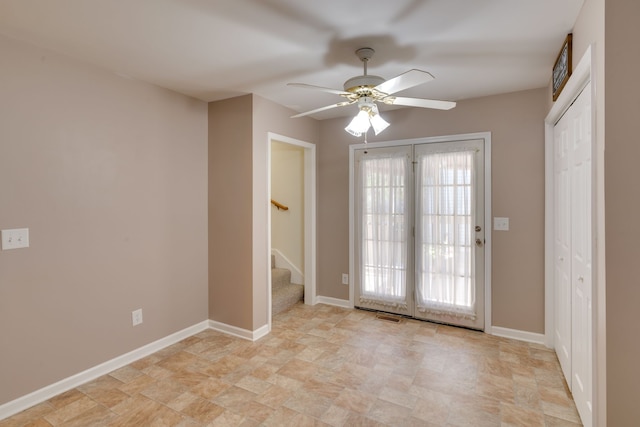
(378,123)
(360,124)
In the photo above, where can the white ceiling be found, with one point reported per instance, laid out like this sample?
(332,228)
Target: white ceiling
(216,49)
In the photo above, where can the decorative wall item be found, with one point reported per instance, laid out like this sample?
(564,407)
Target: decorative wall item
(562,67)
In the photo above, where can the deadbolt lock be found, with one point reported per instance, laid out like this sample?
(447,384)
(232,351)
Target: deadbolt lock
(478,229)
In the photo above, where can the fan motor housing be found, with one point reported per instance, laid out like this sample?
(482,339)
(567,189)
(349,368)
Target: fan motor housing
(366,82)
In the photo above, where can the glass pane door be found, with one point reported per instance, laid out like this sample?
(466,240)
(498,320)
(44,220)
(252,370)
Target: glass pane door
(449,235)
(419,238)
(383,208)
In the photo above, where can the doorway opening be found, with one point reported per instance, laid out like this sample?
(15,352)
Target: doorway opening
(292,234)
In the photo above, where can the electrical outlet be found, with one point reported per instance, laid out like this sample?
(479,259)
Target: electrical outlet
(136,317)
(345,279)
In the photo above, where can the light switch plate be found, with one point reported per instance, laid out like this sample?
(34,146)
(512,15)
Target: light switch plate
(500,224)
(15,238)
(345,279)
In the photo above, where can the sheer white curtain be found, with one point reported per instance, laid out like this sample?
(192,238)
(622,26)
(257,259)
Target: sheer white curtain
(445,227)
(384,231)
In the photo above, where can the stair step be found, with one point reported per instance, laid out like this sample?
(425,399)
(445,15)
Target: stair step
(280,276)
(284,294)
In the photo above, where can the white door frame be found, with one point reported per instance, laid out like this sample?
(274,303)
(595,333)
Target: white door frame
(309,217)
(581,75)
(486,136)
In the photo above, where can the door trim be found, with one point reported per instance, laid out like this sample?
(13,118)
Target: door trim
(309,217)
(583,73)
(486,136)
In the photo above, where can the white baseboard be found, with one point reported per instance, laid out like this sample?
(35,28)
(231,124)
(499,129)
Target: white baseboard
(344,303)
(45,393)
(518,335)
(239,332)
(283,262)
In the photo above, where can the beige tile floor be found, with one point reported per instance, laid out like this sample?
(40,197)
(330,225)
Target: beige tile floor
(325,366)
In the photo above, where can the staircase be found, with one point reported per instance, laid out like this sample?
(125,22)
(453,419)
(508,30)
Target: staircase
(284,294)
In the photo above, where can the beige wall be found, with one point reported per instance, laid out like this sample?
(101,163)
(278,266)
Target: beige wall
(230,212)
(287,187)
(516,123)
(239,253)
(109,175)
(622,176)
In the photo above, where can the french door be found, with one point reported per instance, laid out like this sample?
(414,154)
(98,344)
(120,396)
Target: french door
(419,218)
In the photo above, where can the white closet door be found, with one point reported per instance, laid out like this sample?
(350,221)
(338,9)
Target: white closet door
(581,243)
(562,243)
(573,242)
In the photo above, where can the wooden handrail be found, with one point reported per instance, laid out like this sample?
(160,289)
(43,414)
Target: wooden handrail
(279,205)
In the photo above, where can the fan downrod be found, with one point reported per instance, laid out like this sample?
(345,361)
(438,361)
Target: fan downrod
(363,84)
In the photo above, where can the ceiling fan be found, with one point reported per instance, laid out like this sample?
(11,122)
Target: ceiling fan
(366,90)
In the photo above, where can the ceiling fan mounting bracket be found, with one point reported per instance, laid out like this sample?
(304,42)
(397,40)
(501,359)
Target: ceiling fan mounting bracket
(365,53)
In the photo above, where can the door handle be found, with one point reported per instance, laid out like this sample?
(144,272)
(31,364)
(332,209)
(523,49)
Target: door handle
(479,243)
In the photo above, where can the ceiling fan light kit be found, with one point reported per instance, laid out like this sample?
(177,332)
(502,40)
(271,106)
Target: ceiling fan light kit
(367,117)
(366,90)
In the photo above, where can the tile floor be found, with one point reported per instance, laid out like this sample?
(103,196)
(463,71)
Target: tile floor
(325,366)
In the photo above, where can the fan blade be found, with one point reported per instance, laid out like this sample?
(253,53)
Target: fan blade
(328,107)
(404,81)
(320,88)
(419,102)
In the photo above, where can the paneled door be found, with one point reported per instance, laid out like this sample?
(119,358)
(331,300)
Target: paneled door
(572,250)
(562,244)
(581,242)
(419,231)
